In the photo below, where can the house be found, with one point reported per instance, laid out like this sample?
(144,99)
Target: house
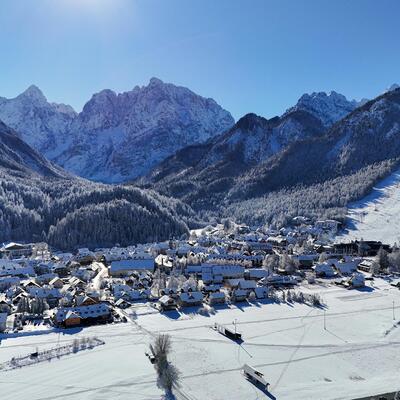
(135,294)
(346,267)
(223,271)
(45,279)
(194,270)
(172,292)
(44,292)
(366,265)
(305,260)
(211,288)
(16,250)
(63,257)
(84,300)
(61,269)
(190,299)
(56,282)
(127,267)
(8,281)
(279,280)
(261,292)
(3,321)
(82,315)
(72,319)
(232,283)
(76,283)
(85,256)
(247,285)
(121,303)
(215,298)
(277,242)
(166,303)
(239,295)
(164,262)
(255,273)
(324,270)
(30,284)
(11,268)
(5,305)
(357,280)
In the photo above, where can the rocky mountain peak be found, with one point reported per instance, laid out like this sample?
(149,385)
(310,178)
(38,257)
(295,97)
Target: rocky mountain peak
(327,107)
(33,94)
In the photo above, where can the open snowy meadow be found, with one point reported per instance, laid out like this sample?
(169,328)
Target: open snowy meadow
(356,355)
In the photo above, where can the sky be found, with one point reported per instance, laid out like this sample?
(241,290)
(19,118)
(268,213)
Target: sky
(249,55)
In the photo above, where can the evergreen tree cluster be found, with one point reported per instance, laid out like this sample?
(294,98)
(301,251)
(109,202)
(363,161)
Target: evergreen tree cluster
(71,213)
(328,199)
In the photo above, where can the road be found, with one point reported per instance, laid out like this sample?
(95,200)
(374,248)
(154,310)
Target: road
(98,279)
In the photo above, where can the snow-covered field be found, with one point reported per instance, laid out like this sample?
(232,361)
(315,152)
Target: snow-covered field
(377,216)
(357,355)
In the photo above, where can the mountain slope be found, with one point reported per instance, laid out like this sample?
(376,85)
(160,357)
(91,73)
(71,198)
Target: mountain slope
(39,201)
(252,142)
(364,144)
(17,156)
(116,137)
(377,216)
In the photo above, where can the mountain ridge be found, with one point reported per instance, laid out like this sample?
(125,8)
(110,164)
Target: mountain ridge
(116,137)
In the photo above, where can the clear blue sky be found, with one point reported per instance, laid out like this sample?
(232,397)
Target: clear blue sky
(249,55)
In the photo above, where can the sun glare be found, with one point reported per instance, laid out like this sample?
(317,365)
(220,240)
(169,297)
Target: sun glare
(96,7)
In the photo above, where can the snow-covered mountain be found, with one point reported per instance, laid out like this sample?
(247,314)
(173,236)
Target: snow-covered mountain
(17,157)
(394,86)
(39,123)
(327,107)
(259,156)
(116,137)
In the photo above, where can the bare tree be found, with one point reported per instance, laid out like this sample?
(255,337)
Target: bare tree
(161,347)
(169,378)
(168,374)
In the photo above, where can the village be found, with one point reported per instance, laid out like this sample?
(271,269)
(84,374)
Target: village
(217,265)
(229,278)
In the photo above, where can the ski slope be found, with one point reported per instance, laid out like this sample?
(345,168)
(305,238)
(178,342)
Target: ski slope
(355,356)
(377,216)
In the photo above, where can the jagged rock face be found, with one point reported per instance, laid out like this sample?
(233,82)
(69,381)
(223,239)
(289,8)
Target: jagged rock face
(122,136)
(329,108)
(39,123)
(116,137)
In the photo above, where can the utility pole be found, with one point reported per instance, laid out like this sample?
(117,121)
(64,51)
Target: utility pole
(393,312)
(324,320)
